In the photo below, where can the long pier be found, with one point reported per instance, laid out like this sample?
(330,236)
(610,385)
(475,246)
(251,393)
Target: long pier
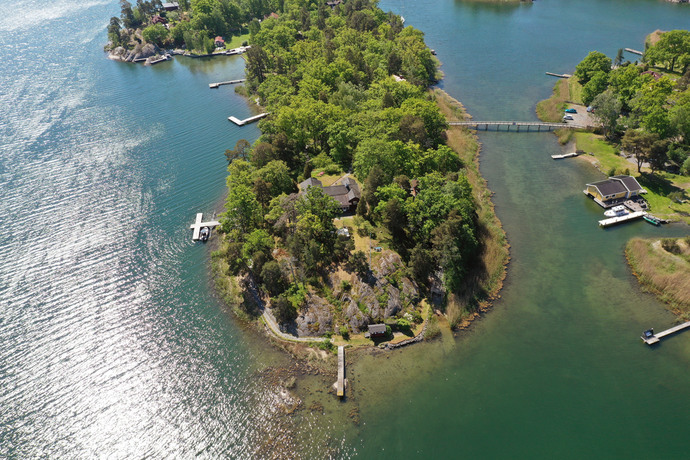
(239,122)
(340,390)
(221,83)
(630,50)
(655,338)
(528,126)
(559,75)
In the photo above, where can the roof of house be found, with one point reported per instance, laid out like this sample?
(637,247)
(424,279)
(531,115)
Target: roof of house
(630,182)
(377,328)
(617,184)
(311,182)
(220,39)
(170,5)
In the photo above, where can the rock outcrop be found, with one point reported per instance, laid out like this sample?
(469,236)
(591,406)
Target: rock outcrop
(139,53)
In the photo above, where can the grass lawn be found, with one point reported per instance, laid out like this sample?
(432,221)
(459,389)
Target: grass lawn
(659,185)
(575,90)
(236,42)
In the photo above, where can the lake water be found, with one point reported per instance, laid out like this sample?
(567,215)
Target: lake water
(111,342)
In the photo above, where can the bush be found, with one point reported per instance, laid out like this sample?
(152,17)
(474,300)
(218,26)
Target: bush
(670,245)
(345,285)
(345,332)
(403,324)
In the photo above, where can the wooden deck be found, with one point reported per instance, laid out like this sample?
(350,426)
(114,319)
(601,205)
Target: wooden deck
(341,372)
(620,219)
(528,126)
(239,122)
(221,83)
(559,75)
(657,337)
(197,226)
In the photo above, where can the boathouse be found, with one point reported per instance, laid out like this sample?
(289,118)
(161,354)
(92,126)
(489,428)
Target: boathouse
(377,330)
(347,194)
(609,192)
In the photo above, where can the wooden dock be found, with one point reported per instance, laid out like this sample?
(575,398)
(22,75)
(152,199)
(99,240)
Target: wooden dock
(657,337)
(620,219)
(198,225)
(221,83)
(565,155)
(528,126)
(630,50)
(559,75)
(239,122)
(340,390)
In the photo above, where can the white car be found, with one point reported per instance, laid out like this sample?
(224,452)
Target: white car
(567,117)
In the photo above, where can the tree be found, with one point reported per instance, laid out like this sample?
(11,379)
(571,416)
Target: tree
(672,47)
(358,263)
(422,263)
(257,64)
(243,211)
(257,241)
(594,62)
(608,111)
(649,106)
(638,143)
(241,150)
(272,277)
(595,86)
(679,116)
(283,309)
(277,175)
(156,34)
(619,58)
(658,154)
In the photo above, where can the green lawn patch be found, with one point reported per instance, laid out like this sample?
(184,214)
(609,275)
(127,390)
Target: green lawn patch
(236,42)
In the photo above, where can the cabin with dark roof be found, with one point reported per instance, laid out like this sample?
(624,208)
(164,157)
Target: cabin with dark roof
(377,330)
(609,192)
(347,194)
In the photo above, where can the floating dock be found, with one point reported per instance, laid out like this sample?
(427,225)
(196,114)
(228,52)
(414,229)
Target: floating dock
(630,50)
(559,75)
(239,122)
(655,338)
(221,83)
(565,155)
(621,219)
(340,390)
(198,225)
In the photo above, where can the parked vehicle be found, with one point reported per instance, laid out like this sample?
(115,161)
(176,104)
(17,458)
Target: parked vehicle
(570,111)
(568,117)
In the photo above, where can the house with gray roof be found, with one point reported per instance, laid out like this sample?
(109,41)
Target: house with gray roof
(347,194)
(609,192)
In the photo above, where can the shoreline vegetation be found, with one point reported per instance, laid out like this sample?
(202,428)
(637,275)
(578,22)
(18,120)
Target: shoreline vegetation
(662,266)
(643,114)
(417,248)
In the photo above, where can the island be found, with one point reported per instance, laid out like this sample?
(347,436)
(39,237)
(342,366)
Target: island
(359,217)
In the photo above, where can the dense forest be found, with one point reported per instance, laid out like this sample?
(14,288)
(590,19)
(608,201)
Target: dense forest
(647,106)
(346,86)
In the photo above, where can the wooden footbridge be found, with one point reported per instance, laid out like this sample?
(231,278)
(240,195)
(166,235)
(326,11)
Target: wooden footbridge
(527,126)
(655,338)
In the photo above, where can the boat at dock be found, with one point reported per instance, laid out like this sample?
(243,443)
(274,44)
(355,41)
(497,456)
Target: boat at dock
(652,220)
(617,211)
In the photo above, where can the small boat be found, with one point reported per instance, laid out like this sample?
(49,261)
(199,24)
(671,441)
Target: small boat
(204,233)
(648,333)
(616,211)
(652,220)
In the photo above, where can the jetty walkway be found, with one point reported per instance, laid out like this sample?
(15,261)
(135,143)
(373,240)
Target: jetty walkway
(528,126)
(655,338)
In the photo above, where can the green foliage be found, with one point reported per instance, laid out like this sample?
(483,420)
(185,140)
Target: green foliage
(272,277)
(595,86)
(608,111)
(156,34)
(358,263)
(296,294)
(345,332)
(283,309)
(257,241)
(672,48)
(593,63)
